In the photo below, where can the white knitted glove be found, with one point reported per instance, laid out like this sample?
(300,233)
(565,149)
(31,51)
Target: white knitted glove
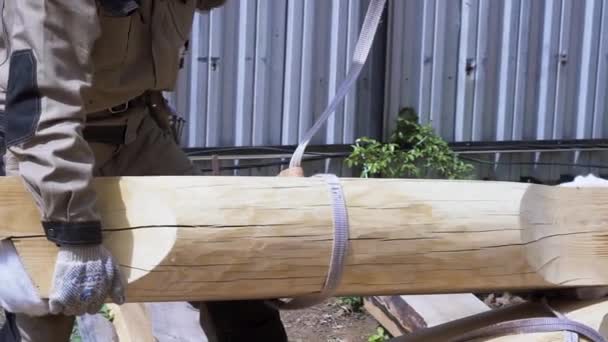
(84,277)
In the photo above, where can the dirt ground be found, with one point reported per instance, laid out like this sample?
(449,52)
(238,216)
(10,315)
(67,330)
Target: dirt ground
(331,322)
(328,322)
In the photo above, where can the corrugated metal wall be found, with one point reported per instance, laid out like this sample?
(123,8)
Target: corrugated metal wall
(501,70)
(260,71)
(483,70)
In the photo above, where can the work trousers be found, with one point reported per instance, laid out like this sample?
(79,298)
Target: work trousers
(151,151)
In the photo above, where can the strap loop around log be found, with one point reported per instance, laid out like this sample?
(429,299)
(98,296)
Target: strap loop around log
(340,243)
(338,253)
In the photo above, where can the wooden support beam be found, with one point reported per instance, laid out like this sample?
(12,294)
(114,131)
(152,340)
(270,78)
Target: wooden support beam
(200,238)
(132,322)
(405,314)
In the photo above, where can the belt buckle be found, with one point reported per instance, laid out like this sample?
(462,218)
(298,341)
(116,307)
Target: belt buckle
(121,108)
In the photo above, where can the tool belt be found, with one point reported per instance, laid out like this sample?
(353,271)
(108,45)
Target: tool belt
(119,133)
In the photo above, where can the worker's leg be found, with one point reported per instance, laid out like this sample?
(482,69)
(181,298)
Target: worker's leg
(155,153)
(51,328)
(241,321)
(44,329)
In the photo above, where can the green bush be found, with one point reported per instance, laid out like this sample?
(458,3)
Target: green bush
(412,151)
(352,303)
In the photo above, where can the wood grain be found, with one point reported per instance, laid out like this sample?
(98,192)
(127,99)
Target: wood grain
(395,315)
(405,314)
(196,238)
(132,322)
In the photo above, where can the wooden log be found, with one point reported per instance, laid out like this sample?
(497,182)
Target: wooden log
(591,313)
(199,238)
(405,314)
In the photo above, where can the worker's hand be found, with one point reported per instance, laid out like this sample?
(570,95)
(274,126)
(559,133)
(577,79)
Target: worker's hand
(84,277)
(292,172)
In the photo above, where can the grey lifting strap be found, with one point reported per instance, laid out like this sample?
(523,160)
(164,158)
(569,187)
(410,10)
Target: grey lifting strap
(572,329)
(534,325)
(561,323)
(340,217)
(362,49)
(338,252)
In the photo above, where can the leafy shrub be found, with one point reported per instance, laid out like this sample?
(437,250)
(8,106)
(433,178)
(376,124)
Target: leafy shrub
(412,151)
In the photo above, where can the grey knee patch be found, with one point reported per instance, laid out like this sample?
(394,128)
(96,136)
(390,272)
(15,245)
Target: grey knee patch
(22,98)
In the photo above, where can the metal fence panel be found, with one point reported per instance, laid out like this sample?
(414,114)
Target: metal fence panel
(500,70)
(260,72)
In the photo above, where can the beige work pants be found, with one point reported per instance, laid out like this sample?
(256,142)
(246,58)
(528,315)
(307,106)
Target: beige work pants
(152,152)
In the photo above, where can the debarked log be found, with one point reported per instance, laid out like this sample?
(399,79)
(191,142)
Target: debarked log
(200,238)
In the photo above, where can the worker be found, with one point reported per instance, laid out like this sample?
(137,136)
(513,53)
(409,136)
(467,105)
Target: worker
(81,88)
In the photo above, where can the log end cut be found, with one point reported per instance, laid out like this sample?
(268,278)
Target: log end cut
(565,234)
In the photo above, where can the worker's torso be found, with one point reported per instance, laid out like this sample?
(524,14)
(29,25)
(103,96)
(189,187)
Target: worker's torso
(139,52)
(133,53)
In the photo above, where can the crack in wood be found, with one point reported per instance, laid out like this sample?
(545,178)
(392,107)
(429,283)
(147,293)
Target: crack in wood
(570,281)
(184,226)
(507,274)
(539,239)
(547,263)
(474,231)
(409,239)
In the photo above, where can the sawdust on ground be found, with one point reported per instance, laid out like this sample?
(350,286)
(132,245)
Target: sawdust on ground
(328,322)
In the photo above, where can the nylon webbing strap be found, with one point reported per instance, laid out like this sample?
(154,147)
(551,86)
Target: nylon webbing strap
(532,325)
(338,252)
(340,242)
(362,49)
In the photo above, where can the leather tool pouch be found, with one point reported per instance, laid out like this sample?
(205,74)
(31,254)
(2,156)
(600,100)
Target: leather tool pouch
(165,117)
